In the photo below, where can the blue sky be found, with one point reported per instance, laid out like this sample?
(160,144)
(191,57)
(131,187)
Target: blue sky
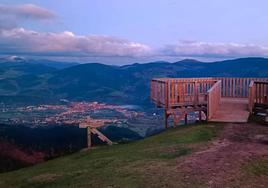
(136,30)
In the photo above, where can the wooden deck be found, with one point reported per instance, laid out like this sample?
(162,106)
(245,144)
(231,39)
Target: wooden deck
(221,99)
(234,110)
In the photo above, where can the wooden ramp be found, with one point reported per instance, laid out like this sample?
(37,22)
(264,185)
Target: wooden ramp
(234,110)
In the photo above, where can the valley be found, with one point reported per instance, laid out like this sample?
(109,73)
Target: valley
(43,102)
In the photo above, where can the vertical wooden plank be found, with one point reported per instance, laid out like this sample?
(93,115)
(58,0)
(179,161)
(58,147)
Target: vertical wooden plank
(228,87)
(196,93)
(234,87)
(266,94)
(166,89)
(175,92)
(224,87)
(179,92)
(166,118)
(262,93)
(237,87)
(200,115)
(89,144)
(183,92)
(245,87)
(247,84)
(257,93)
(186,118)
(172,101)
(241,87)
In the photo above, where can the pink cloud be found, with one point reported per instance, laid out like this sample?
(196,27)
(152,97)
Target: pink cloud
(28,11)
(20,40)
(206,49)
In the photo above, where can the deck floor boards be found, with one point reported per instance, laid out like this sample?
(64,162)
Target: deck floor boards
(234,110)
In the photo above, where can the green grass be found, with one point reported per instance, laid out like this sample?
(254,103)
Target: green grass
(258,168)
(145,163)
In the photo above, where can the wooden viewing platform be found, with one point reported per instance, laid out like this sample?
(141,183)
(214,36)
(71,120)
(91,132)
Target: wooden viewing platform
(222,99)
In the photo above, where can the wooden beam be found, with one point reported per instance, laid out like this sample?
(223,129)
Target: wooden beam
(186,119)
(200,115)
(166,118)
(89,143)
(101,136)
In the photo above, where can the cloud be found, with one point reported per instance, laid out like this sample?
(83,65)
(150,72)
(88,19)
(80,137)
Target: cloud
(22,41)
(26,11)
(15,15)
(205,49)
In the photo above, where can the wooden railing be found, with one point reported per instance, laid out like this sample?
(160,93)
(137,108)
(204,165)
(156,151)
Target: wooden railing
(159,92)
(214,99)
(172,92)
(236,87)
(258,94)
(261,92)
(178,90)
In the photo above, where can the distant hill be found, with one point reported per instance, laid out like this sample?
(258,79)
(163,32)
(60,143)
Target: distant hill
(16,69)
(53,64)
(16,60)
(41,82)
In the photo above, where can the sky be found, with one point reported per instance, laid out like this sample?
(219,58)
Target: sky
(130,31)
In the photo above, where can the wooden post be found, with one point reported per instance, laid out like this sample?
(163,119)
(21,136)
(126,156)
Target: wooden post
(196,93)
(166,103)
(174,120)
(200,115)
(89,144)
(166,119)
(185,119)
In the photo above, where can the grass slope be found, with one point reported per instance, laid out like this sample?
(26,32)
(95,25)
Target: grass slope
(146,163)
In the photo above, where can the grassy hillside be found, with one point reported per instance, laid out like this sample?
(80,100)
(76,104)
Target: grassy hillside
(149,162)
(206,155)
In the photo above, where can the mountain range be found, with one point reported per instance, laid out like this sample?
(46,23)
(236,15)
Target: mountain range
(24,81)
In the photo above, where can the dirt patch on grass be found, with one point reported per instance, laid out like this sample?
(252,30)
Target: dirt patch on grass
(44,178)
(222,163)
